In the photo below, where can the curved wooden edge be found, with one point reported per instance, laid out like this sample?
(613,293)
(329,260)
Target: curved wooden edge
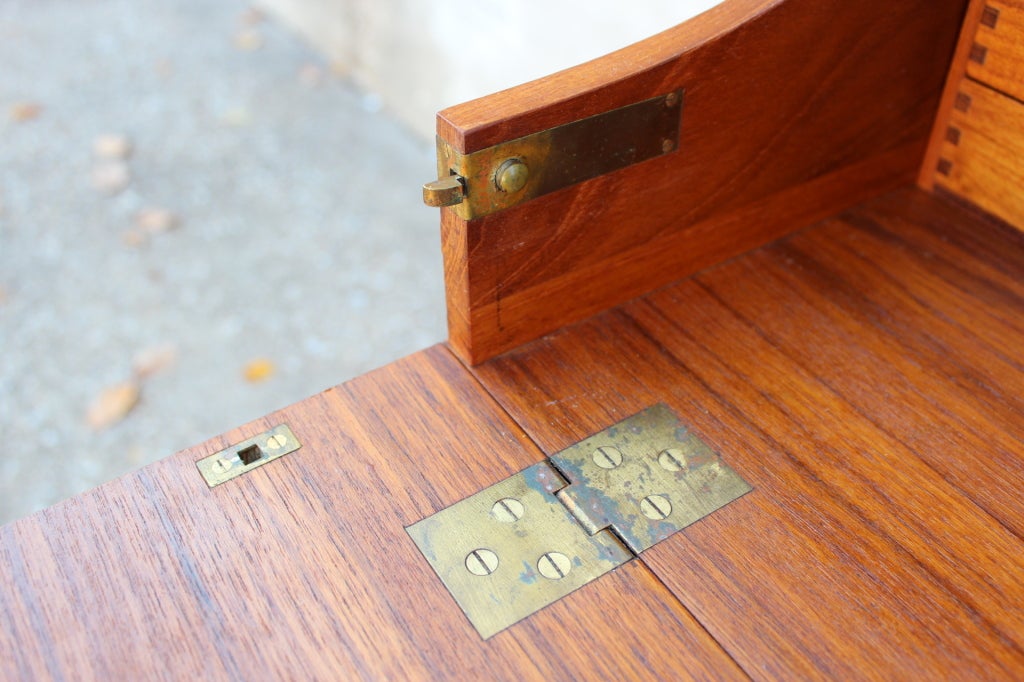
(570,94)
(794,110)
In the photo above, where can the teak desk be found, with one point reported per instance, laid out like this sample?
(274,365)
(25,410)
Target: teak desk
(817,268)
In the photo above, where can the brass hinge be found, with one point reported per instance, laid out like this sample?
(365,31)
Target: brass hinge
(529,540)
(512,172)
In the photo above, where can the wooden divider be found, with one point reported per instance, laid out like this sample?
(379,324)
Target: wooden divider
(794,109)
(977,141)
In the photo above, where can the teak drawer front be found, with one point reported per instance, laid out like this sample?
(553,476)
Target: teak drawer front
(982,156)
(997,55)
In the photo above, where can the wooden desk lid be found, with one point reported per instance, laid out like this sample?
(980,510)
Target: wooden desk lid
(794,110)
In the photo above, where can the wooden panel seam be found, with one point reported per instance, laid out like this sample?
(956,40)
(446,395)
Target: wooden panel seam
(640,557)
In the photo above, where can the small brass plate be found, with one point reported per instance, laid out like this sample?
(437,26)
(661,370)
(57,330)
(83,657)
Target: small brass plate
(558,157)
(512,549)
(647,477)
(247,455)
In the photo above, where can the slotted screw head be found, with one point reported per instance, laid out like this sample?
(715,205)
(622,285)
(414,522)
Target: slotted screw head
(554,565)
(508,510)
(481,562)
(655,507)
(277,442)
(607,457)
(672,459)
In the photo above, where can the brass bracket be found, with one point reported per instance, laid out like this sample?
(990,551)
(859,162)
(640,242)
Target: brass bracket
(529,540)
(513,172)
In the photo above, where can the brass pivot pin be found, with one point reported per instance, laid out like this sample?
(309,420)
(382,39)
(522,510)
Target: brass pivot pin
(511,175)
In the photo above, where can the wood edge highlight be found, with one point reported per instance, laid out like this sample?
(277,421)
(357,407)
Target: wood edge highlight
(569,94)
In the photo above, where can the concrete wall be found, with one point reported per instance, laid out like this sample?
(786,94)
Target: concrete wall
(419,57)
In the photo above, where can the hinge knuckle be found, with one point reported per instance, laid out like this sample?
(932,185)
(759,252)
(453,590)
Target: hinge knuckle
(529,540)
(567,496)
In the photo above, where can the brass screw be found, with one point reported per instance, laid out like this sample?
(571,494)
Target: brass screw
(671,99)
(481,562)
(511,175)
(655,507)
(607,457)
(277,442)
(508,510)
(672,459)
(667,145)
(221,465)
(554,565)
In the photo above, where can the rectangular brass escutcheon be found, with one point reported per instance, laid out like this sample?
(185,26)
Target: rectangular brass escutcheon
(248,454)
(524,542)
(513,172)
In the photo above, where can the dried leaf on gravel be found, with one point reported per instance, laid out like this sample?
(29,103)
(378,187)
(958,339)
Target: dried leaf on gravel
(164,68)
(25,111)
(154,359)
(110,177)
(155,220)
(134,238)
(311,75)
(236,117)
(252,16)
(112,405)
(258,370)
(112,146)
(248,40)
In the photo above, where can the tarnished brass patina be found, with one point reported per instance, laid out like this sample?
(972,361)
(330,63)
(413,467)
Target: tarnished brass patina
(247,455)
(511,549)
(444,192)
(665,479)
(533,538)
(519,170)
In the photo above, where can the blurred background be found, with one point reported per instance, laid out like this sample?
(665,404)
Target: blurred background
(210,210)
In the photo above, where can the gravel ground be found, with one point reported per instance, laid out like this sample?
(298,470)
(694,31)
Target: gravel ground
(301,255)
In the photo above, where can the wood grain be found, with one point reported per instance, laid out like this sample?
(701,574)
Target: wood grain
(986,155)
(794,110)
(862,376)
(301,569)
(999,60)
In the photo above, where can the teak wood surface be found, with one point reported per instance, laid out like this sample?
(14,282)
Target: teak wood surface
(976,149)
(982,152)
(997,51)
(301,569)
(793,110)
(864,375)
